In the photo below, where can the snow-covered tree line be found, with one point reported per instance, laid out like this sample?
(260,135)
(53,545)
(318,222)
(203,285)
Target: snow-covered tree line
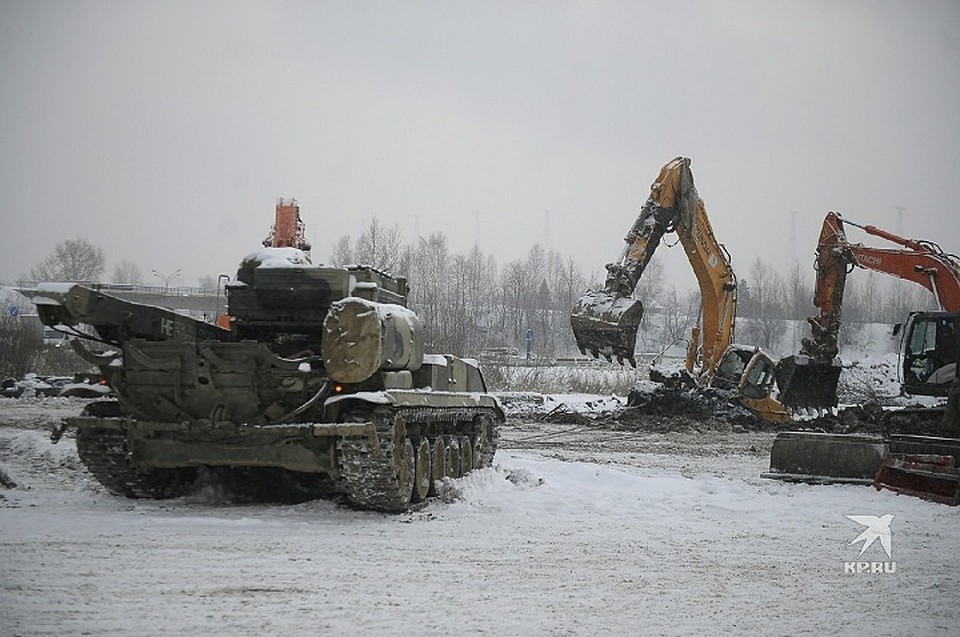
(470,302)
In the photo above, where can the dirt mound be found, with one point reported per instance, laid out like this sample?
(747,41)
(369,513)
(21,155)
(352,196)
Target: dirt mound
(662,408)
(874,419)
(866,418)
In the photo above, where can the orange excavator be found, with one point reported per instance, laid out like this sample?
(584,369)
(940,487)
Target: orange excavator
(920,465)
(605,321)
(930,341)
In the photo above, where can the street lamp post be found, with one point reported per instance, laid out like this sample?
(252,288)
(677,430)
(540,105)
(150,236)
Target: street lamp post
(219,279)
(166,279)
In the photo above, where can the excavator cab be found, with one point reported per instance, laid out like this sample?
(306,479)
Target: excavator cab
(758,379)
(930,349)
(752,373)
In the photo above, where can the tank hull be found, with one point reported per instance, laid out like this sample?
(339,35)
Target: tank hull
(371,456)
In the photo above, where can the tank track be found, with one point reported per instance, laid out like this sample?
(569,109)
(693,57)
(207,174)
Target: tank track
(400,473)
(387,477)
(105,454)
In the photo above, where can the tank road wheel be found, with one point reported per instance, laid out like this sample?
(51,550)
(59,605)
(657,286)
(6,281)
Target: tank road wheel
(438,464)
(406,471)
(422,475)
(466,455)
(454,459)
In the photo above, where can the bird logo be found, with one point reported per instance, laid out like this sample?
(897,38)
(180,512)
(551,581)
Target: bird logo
(878,528)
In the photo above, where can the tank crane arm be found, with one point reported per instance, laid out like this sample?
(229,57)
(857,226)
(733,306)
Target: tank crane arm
(114,319)
(288,229)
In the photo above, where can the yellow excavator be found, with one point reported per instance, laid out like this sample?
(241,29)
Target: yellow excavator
(605,321)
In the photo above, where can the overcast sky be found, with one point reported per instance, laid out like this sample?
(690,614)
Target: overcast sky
(164,132)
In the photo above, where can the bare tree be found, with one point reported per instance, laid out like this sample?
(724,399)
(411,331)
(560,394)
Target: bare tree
(513,289)
(798,293)
(650,286)
(765,307)
(342,252)
(379,246)
(676,316)
(127,272)
(798,298)
(901,298)
(567,283)
(428,287)
(72,260)
(20,344)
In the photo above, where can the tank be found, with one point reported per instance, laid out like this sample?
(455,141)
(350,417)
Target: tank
(317,386)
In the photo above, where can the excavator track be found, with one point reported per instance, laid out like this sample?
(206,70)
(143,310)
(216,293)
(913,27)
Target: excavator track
(386,476)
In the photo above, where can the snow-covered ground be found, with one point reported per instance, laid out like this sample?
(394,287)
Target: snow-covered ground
(575,531)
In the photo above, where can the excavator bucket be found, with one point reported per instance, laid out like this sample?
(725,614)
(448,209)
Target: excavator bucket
(808,383)
(606,325)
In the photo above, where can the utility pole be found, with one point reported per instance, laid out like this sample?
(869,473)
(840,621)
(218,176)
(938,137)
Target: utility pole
(792,247)
(900,210)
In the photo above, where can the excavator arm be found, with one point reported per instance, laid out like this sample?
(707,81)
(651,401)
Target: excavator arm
(605,321)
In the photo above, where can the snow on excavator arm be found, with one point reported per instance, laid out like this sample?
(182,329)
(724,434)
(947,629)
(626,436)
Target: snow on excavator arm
(605,321)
